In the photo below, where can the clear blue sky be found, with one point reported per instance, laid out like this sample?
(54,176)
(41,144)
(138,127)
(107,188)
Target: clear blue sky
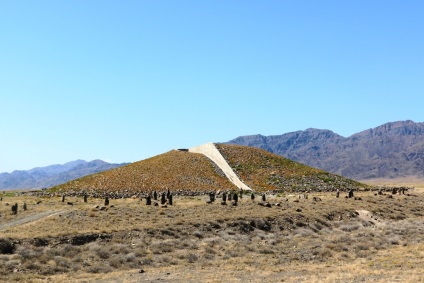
(126,80)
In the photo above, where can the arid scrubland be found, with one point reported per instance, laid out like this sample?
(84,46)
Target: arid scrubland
(376,238)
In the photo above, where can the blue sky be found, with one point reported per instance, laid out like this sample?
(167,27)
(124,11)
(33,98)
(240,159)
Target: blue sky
(126,80)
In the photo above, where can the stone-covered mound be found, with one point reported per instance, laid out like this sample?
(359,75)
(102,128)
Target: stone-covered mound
(174,170)
(262,170)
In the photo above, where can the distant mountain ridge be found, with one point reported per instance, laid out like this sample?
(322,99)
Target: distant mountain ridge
(392,150)
(45,177)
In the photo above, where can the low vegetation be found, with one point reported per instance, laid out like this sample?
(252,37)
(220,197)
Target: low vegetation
(262,170)
(175,170)
(328,239)
(186,172)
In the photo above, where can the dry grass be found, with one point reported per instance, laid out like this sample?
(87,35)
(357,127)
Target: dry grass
(409,181)
(303,241)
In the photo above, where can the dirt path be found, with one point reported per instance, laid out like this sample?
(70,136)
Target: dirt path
(28,219)
(210,151)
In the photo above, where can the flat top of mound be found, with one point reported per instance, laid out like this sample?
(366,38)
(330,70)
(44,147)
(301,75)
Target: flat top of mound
(174,170)
(262,170)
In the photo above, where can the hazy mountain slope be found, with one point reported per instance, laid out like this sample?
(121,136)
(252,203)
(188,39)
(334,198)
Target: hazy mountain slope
(388,151)
(44,177)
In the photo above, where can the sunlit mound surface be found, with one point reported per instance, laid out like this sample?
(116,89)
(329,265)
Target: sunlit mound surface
(192,172)
(174,170)
(262,170)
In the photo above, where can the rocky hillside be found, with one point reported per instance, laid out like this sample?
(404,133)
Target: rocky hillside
(44,177)
(193,172)
(392,150)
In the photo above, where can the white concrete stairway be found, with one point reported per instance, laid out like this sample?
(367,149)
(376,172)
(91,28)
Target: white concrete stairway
(210,151)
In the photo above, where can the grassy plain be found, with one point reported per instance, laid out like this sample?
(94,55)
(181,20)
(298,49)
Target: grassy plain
(378,238)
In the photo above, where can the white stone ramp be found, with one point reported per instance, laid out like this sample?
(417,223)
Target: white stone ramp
(210,151)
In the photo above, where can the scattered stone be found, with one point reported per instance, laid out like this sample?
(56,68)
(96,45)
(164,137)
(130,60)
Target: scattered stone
(148,200)
(7,246)
(15,209)
(40,242)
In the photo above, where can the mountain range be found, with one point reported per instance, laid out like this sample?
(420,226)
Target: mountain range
(393,150)
(44,177)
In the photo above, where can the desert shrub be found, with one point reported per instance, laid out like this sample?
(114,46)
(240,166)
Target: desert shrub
(130,257)
(62,261)
(212,242)
(266,251)
(191,258)
(162,247)
(10,265)
(117,260)
(362,246)
(362,254)
(103,252)
(119,248)
(148,260)
(99,268)
(198,234)
(393,241)
(28,254)
(303,232)
(349,227)
(337,247)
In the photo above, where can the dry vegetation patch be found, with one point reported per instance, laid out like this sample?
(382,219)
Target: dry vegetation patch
(192,240)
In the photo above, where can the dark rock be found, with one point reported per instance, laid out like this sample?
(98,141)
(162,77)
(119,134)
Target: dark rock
(7,246)
(261,224)
(38,242)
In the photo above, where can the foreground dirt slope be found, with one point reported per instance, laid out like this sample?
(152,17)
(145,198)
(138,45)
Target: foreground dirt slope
(299,240)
